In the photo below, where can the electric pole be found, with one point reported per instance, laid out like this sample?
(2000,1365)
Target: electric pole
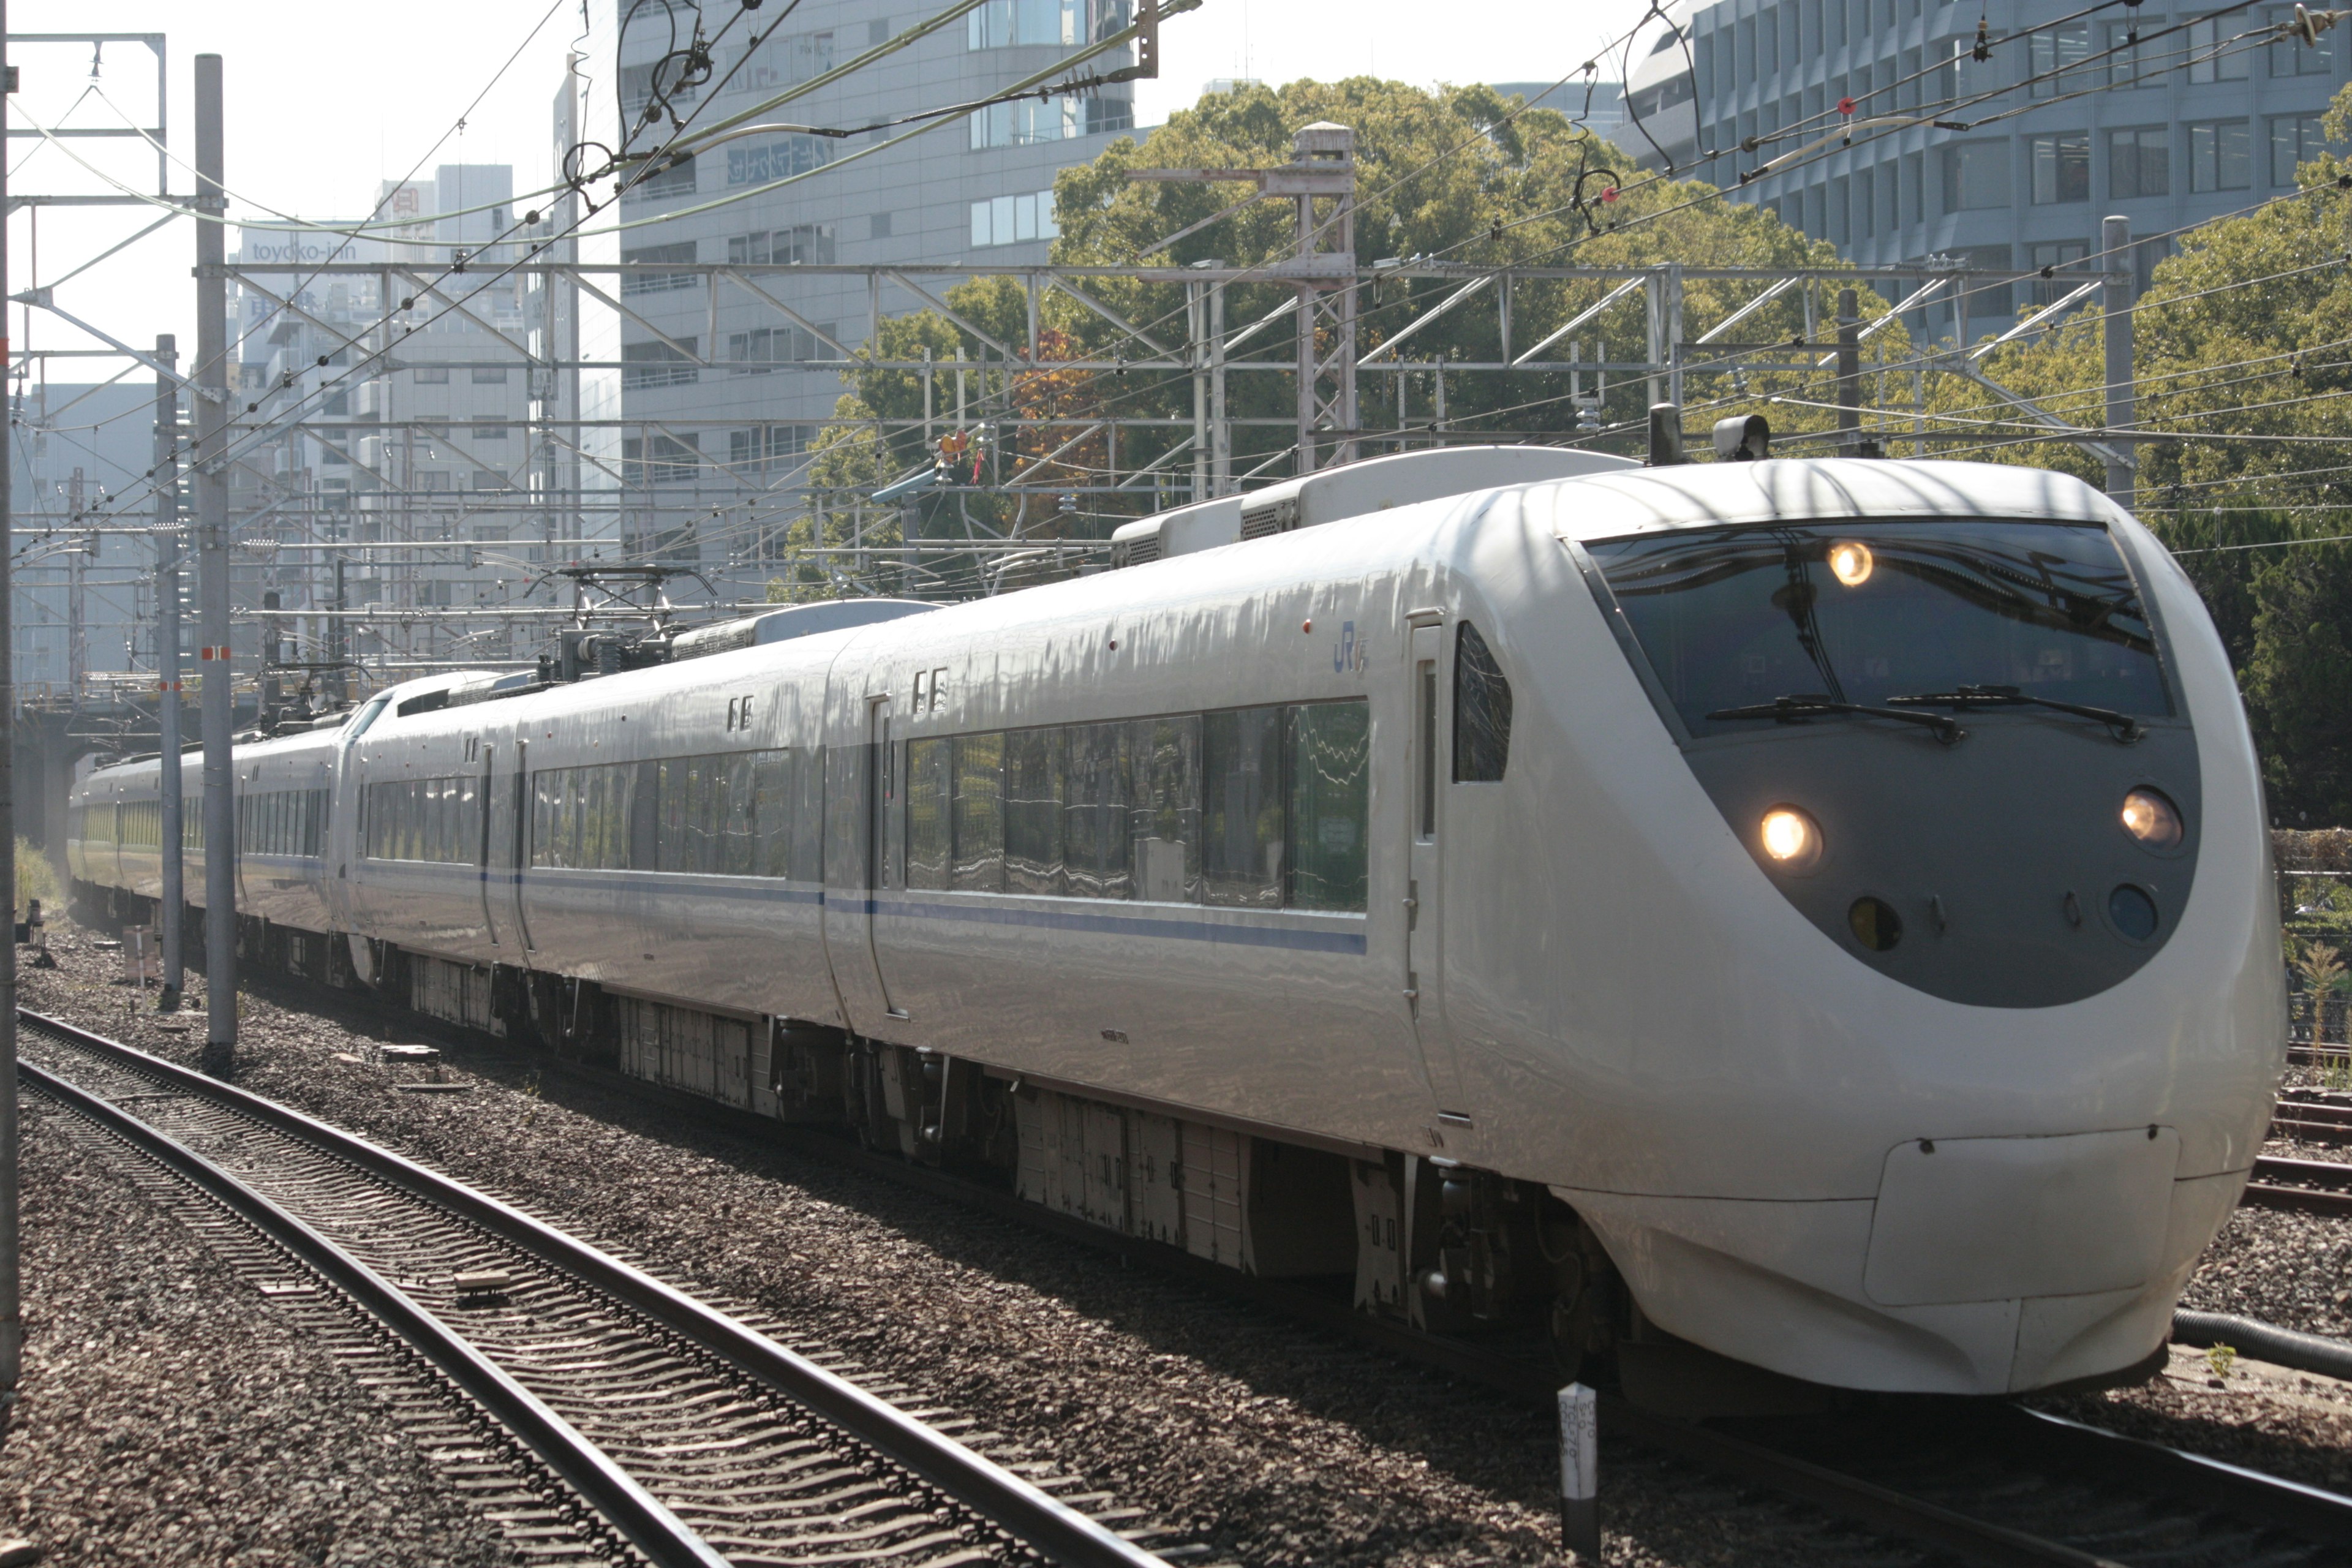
(12,1327)
(219,712)
(167,661)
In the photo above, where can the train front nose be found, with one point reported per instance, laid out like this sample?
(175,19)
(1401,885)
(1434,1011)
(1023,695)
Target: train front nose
(1952,744)
(1955,747)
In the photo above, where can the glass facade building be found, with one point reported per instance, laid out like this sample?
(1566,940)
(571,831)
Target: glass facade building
(2168,118)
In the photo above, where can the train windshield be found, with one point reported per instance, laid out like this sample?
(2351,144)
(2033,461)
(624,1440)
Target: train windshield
(1737,619)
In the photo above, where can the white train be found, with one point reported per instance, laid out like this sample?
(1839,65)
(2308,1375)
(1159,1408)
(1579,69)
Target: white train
(1818,911)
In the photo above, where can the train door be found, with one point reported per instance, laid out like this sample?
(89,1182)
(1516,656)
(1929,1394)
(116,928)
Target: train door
(518,851)
(1425,992)
(881,799)
(486,855)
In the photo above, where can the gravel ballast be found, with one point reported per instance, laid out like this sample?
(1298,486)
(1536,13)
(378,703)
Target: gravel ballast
(1268,1441)
(169,1416)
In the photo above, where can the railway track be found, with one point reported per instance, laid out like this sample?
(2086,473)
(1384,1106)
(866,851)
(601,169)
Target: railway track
(593,1411)
(2313,1120)
(1995,1484)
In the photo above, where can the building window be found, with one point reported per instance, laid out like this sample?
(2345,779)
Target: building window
(2212,57)
(2056,255)
(1032,121)
(2290,56)
(1010,220)
(1002,23)
(757,351)
(489,375)
(659,282)
(431,374)
(489,481)
(764,444)
(758,163)
(2131,63)
(2295,141)
(490,432)
(677,180)
(780,62)
(803,245)
(637,87)
(658,364)
(432,479)
(338,403)
(2054,57)
(2139,163)
(877,227)
(2217,156)
(1976,176)
(2061,167)
(659,459)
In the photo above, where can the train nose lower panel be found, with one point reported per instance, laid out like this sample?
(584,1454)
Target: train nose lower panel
(1789,1285)
(1990,1219)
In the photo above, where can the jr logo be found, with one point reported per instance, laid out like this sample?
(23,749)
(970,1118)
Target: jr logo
(1347,652)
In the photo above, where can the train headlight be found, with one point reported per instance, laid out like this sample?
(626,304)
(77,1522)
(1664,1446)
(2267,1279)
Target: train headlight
(1791,839)
(1851,563)
(2152,819)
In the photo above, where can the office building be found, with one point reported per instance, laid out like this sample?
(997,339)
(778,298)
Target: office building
(699,429)
(2170,118)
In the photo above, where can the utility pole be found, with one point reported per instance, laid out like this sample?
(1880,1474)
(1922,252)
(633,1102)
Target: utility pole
(2115,294)
(12,1325)
(1848,374)
(76,570)
(1322,268)
(219,712)
(167,662)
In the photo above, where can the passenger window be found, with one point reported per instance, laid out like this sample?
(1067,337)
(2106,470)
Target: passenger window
(978,866)
(1482,711)
(1034,807)
(1330,785)
(1241,807)
(1095,815)
(1165,856)
(927,814)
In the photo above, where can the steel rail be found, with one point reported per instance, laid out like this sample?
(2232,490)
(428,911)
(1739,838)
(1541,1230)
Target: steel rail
(1039,1521)
(2311,1186)
(2130,1461)
(635,1513)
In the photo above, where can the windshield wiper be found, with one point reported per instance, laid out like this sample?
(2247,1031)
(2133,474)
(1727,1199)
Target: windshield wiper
(1789,710)
(2126,729)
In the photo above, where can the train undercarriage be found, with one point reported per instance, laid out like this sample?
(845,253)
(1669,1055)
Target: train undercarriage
(1427,1243)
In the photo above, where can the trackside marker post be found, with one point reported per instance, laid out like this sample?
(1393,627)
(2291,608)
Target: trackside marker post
(1579,1471)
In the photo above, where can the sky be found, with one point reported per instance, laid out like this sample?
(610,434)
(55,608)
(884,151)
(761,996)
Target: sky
(325,101)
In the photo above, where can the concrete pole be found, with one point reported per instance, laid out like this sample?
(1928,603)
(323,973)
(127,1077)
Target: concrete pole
(12,1327)
(1197,329)
(1848,374)
(1221,429)
(219,712)
(167,663)
(2115,242)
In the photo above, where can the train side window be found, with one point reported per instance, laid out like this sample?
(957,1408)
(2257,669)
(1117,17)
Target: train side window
(1330,799)
(1241,808)
(1035,806)
(738,833)
(1482,711)
(1094,839)
(1165,854)
(808,814)
(772,813)
(928,832)
(977,863)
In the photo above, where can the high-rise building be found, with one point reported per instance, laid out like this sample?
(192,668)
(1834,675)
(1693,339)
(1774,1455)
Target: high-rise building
(697,425)
(405,488)
(2168,118)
